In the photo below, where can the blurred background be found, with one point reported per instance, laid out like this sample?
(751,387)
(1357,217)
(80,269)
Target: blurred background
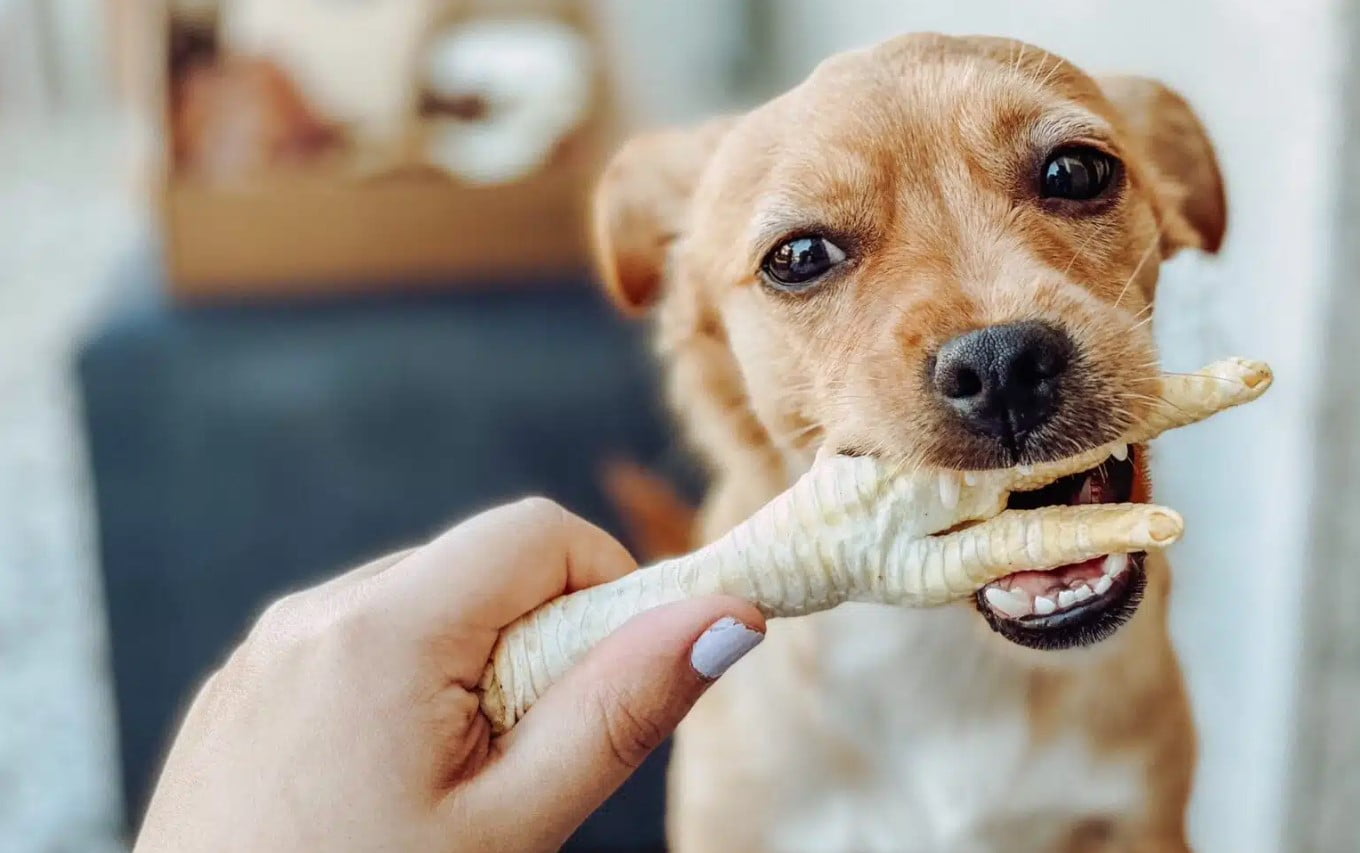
(285,285)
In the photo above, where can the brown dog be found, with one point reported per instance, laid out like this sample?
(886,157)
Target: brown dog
(942,251)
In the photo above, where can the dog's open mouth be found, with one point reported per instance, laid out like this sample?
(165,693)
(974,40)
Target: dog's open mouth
(1078,604)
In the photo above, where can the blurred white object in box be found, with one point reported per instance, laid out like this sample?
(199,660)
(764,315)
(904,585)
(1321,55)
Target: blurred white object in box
(356,62)
(532,80)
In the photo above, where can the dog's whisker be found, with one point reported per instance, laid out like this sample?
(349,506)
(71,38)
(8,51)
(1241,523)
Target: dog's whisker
(1034,78)
(1202,376)
(803,432)
(1155,398)
(1156,241)
(1081,248)
(1146,309)
(1141,323)
(1057,65)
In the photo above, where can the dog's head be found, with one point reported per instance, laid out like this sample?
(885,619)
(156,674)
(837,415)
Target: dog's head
(942,251)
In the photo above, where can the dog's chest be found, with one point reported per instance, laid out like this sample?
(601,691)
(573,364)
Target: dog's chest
(932,741)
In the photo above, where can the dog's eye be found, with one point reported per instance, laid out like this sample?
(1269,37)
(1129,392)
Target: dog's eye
(1079,174)
(798,263)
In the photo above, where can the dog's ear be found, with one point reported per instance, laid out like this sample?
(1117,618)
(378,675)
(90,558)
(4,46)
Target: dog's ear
(641,205)
(1194,207)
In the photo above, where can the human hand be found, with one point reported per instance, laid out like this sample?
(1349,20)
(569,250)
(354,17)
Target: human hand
(348,719)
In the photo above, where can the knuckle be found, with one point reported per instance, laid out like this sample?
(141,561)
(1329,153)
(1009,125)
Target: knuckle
(279,618)
(348,630)
(631,736)
(300,620)
(539,509)
(326,636)
(213,685)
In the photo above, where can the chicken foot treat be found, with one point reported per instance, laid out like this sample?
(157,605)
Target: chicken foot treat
(853,529)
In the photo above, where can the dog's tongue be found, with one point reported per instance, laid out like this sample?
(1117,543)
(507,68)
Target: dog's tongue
(1042,583)
(1023,593)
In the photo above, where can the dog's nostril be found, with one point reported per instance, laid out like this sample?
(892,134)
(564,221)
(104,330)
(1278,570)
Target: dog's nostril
(958,382)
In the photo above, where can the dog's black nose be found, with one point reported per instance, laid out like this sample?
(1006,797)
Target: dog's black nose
(1003,380)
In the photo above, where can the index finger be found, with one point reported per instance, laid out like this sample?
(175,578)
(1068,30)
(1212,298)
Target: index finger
(493,568)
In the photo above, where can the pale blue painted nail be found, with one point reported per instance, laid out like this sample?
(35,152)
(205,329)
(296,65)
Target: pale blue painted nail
(723,644)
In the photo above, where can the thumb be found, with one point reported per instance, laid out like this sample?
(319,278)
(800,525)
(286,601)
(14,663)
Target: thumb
(593,728)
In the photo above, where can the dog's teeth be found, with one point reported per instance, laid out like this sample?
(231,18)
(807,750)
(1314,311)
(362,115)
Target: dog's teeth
(1120,452)
(1025,470)
(1115,564)
(1103,585)
(1012,604)
(969,478)
(1082,592)
(1044,606)
(1066,599)
(949,490)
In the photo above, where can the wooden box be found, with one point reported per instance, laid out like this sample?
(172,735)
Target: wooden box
(359,222)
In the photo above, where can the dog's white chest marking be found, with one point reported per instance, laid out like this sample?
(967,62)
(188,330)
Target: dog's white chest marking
(943,759)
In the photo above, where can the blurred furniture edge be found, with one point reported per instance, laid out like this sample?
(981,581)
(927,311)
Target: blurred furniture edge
(241,452)
(323,231)
(310,236)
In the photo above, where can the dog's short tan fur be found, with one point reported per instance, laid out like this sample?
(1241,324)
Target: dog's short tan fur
(868,728)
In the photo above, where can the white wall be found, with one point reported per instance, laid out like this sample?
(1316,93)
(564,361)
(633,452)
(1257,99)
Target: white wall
(80,45)
(1264,76)
(53,57)
(678,56)
(26,87)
